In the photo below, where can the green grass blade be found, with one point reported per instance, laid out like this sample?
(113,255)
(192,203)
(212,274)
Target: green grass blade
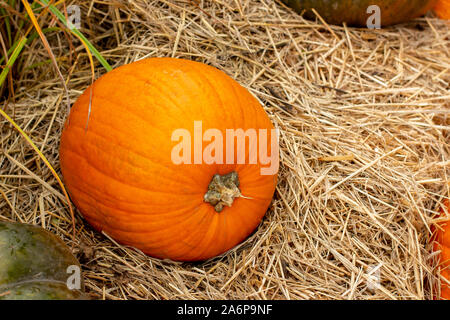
(76,32)
(12,59)
(7,25)
(32,36)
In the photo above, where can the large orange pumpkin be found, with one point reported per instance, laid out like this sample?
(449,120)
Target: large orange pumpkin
(442,243)
(442,9)
(354,12)
(120,157)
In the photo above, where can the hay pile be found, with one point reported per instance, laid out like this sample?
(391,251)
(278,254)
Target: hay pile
(364,122)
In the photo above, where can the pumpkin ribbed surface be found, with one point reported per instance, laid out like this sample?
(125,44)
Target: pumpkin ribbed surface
(120,174)
(442,9)
(354,12)
(442,243)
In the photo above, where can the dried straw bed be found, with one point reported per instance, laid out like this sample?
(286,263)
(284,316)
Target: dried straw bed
(379,99)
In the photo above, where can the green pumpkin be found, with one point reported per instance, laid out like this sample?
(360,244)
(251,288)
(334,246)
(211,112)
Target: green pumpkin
(354,12)
(36,265)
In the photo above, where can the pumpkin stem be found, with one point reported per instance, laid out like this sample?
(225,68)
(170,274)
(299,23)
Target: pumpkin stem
(222,190)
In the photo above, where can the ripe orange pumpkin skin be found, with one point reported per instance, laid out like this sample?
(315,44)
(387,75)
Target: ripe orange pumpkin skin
(442,9)
(354,12)
(442,243)
(118,168)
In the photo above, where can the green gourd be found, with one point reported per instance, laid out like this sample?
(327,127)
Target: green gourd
(36,265)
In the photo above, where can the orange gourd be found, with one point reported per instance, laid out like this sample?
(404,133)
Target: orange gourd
(120,157)
(441,241)
(357,12)
(442,9)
